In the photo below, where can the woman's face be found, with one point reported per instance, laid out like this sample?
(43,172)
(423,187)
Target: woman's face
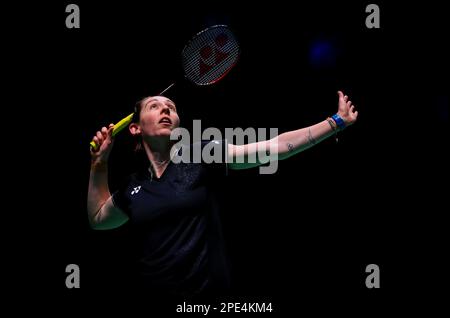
(158,116)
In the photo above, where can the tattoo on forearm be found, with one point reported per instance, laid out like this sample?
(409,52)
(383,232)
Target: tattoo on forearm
(311,140)
(290,147)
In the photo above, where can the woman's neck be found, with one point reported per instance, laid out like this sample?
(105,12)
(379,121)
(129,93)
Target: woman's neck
(158,153)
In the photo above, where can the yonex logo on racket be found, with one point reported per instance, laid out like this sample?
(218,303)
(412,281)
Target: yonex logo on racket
(212,55)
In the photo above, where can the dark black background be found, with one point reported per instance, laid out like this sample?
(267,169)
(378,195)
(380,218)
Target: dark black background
(300,238)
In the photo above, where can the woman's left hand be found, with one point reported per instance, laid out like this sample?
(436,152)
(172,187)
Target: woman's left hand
(346,110)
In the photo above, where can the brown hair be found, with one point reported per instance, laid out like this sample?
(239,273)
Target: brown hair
(136,118)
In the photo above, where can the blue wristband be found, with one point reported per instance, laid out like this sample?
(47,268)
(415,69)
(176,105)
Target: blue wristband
(339,121)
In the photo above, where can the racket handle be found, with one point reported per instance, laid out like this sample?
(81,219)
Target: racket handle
(117,128)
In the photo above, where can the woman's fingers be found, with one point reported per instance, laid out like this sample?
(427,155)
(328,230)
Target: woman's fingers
(110,130)
(345,98)
(104,132)
(100,137)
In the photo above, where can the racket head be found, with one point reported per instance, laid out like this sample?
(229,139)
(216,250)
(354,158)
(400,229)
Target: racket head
(210,55)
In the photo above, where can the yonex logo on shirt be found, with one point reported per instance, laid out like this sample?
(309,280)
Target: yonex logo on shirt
(136,190)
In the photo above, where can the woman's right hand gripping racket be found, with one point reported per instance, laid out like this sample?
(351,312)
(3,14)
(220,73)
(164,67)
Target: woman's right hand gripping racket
(206,59)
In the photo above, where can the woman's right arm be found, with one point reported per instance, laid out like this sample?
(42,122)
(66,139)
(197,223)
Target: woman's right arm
(102,213)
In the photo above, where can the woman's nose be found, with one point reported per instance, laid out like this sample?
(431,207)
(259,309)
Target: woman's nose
(165,109)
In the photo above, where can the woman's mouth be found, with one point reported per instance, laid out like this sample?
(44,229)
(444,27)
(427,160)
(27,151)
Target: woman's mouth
(165,121)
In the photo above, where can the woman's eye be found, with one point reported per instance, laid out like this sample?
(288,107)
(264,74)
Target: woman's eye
(153,106)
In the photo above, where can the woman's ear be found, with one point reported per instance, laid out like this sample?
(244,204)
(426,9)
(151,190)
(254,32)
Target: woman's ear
(135,129)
